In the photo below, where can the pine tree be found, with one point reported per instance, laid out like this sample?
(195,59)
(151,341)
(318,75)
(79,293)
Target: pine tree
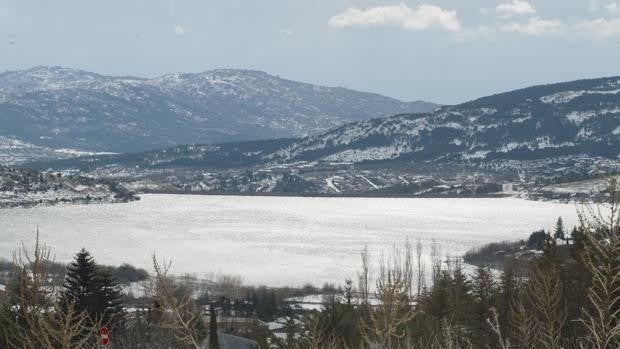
(578,237)
(459,294)
(109,299)
(559,230)
(483,290)
(93,291)
(80,284)
(214,342)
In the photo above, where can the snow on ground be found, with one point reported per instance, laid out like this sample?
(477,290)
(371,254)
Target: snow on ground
(404,180)
(369,182)
(137,289)
(567,96)
(373,153)
(15,151)
(480,154)
(581,187)
(330,183)
(578,117)
(317,301)
(273,240)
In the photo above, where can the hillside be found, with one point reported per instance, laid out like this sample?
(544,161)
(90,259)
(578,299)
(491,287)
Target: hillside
(61,108)
(23,187)
(540,135)
(581,117)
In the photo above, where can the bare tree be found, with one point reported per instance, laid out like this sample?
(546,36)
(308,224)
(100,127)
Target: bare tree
(363,277)
(386,326)
(420,268)
(601,224)
(319,336)
(39,321)
(435,261)
(545,296)
(493,322)
(176,310)
(523,325)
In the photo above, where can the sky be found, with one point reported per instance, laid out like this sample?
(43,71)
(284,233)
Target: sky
(435,50)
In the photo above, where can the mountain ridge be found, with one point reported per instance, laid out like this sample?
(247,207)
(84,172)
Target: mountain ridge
(567,120)
(58,107)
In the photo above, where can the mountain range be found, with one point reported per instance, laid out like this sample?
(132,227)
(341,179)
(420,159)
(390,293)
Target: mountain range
(56,108)
(571,118)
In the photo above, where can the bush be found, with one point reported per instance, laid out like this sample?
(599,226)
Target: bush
(493,253)
(536,240)
(127,273)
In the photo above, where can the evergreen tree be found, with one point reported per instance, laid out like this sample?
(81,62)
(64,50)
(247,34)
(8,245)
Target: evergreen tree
(438,299)
(578,238)
(109,300)
(338,321)
(559,230)
(79,286)
(508,292)
(93,291)
(460,295)
(214,342)
(537,240)
(483,291)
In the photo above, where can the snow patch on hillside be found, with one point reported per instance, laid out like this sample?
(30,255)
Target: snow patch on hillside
(562,97)
(480,154)
(521,119)
(578,117)
(373,153)
(567,96)
(330,183)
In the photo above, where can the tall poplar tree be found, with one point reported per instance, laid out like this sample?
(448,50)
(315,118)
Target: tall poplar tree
(214,342)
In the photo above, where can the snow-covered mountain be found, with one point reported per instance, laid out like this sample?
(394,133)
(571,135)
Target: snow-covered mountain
(542,121)
(58,107)
(47,78)
(579,117)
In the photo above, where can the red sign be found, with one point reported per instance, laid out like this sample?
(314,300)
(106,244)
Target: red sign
(104,336)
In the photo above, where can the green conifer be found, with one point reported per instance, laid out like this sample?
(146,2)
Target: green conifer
(93,290)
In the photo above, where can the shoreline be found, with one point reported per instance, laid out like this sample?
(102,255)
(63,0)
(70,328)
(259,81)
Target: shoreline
(30,204)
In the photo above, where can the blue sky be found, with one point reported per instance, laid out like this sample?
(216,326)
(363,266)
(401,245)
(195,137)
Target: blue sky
(437,50)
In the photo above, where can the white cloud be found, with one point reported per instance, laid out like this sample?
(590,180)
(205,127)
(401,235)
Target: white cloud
(536,26)
(613,8)
(179,30)
(515,7)
(285,32)
(600,28)
(400,15)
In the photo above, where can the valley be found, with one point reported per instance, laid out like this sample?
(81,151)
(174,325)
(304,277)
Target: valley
(516,143)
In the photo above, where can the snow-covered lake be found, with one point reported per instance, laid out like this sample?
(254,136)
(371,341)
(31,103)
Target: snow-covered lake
(272,240)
